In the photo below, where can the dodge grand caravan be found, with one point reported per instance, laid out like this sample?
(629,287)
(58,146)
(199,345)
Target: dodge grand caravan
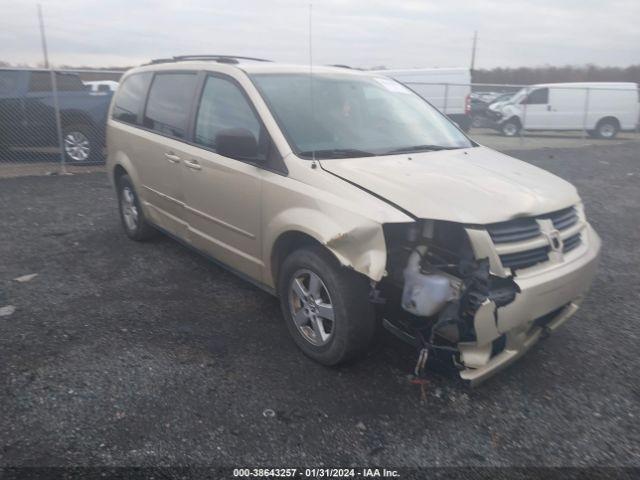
(355,202)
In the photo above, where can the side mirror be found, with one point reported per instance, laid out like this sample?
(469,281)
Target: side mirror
(237,143)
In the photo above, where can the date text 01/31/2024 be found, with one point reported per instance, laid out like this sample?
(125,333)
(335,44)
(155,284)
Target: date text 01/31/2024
(314,473)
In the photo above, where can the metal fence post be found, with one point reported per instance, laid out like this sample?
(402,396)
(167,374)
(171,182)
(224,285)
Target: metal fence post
(446,96)
(586,113)
(524,116)
(54,91)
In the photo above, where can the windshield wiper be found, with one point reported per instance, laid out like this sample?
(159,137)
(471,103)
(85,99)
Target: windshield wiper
(420,148)
(335,153)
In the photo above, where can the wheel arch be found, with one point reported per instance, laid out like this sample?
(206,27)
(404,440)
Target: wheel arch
(118,171)
(611,118)
(119,164)
(72,117)
(287,242)
(357,245)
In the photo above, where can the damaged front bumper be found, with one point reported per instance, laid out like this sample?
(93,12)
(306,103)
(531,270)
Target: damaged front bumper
(547,298)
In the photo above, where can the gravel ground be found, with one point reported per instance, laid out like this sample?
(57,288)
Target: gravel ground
(537,140)
(120,353)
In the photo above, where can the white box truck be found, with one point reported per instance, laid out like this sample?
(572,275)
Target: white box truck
(602,109)
(447,89)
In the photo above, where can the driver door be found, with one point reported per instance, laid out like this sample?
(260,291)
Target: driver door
(536,111)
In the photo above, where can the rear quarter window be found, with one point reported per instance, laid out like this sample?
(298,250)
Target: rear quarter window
(130,98)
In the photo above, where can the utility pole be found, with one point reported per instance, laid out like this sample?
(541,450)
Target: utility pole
(473,51)
(54,88)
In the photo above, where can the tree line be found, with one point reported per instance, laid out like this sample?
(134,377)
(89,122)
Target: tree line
(501,75)
(551,74)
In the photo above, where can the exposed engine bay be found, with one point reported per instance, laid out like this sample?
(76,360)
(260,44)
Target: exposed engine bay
(435,288)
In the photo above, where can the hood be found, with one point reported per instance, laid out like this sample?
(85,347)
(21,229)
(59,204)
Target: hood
(510,109)
(474,185)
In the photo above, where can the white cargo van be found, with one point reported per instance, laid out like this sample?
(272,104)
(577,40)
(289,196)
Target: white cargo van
(602,109)
(447,89)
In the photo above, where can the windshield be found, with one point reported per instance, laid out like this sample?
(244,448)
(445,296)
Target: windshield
(354,116)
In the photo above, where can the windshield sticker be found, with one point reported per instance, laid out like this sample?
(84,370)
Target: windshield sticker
(392,85)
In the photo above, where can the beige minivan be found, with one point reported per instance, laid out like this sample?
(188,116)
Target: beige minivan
(354,201)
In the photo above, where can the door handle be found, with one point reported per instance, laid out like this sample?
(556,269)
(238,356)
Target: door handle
(172,157)
(193,164)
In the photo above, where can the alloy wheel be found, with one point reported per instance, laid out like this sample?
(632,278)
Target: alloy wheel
(607,130)
(76,146)
(129,209)
(311,307)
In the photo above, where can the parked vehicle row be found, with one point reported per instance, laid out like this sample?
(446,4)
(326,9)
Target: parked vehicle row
(356,202)
(28,120)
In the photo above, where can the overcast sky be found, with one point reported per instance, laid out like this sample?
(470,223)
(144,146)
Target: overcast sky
(362,33)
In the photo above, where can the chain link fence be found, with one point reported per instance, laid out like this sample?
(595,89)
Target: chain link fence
(54,121)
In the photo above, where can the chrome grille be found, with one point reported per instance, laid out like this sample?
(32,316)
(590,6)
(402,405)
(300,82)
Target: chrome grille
(525,259)
(572,242)
(527,231)
(563,219)
(514,230)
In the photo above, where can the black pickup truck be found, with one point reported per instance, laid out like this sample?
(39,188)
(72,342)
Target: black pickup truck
(27,115)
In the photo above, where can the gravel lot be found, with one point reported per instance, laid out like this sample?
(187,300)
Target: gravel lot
(122,353)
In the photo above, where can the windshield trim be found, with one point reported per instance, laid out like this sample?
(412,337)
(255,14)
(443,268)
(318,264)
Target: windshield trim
(298,152)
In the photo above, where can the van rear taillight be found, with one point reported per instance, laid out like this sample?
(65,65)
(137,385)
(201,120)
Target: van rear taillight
(467,104)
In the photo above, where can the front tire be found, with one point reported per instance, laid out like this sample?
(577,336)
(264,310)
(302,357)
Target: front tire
(325,306)
(510,128)
(133,219)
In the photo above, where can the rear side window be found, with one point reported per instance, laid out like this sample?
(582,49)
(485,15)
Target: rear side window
(169,103)
(538,97)
(222,107)
(129,100)
(40,82)
(65,82)
(8,82)
(68,82)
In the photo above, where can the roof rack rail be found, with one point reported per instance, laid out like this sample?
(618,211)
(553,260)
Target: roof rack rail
(215,58)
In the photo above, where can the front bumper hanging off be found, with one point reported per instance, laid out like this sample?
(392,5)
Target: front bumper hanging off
(546,300)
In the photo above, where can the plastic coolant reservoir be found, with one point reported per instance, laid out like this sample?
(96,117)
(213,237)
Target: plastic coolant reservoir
(425,294)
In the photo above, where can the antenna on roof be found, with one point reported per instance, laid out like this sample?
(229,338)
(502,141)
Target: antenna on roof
(313,150)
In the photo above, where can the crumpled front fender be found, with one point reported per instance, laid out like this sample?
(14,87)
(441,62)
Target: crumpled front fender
(356,242)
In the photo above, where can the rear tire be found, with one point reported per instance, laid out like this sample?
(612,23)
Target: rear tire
(510,128)
(306,309)
(134,222)
(80,144)
(607,128)
(477,121)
